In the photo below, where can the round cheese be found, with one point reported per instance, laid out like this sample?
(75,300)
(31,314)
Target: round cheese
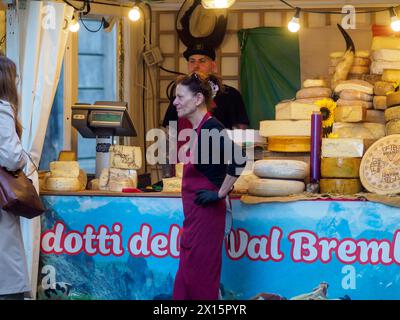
(63,184)
(275,187)
(288,144)
(359,69)
(378,67)
(359,85)
(355,95)
(340,167)
(360,61)
(340,186)
(313,93)
(392,113)
(393,99)
(379,169)
(383,87)
(393,127)
(281,169)
(353,103)
(310,83)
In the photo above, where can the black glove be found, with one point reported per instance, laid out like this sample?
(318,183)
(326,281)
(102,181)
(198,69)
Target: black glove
(204,197)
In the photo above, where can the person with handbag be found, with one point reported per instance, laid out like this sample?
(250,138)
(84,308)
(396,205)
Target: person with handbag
(14,277)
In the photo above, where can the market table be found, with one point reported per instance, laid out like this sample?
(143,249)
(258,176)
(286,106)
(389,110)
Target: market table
(103,245)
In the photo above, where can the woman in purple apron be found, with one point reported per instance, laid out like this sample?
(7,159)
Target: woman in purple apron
(204,189)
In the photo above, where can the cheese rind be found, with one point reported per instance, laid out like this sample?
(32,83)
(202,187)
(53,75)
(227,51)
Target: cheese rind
(289,144)
(392,113)
(358,85)
(313,93)
(393,99)
(352,103)
(281,169)
(393,127)
(365,130)
(359,70)
(342,147)
(270,128)
(340,186)
(63,184)
(64,169)
(275,187)
(125,157)
(355,95)
(340,167)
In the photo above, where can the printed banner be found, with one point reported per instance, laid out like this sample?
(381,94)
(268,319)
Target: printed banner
(128,248)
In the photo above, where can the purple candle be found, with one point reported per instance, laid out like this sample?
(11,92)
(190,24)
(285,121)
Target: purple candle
(316,140)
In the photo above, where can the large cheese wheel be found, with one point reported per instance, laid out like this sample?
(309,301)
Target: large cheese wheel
(289,144)
(393,99)
(359,85)
(379,170)
(383,87)
(342,147)
(392,113)
(63,184)
(350,114)
(352,103)
(275,187)
(355,95)
(125,157)
(281,169)
(377,67)
(340,167)
(386,55)
(380,102)
(311,83)
(381,42)
(340,186)
(270,128)
(391,75)
(64,169)
(393,127)
(313,93)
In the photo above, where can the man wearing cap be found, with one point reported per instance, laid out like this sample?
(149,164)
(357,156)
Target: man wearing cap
(228,106)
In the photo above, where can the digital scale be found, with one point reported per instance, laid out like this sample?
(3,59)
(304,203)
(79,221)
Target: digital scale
(103,120)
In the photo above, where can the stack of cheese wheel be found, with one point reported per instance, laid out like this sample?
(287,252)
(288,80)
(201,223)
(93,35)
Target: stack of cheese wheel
(340,164)
(360,67)
(385,54)
(65,176)
(379,170)
(278,178)
(392,113)
(124,161)
(174,184)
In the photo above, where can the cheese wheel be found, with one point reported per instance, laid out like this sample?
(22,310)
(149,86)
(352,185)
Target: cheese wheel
(359,70)
(381,42)
(392,113)
(67,156)
(350,114)
(358,53)
(289,144)
(64,169)
(342,147)
(355,95)
(313,93)
(386,55)
(383,87)
(380,102)
(359,85)
(294,111)
(352,103)
(376,116)
(340,186)
(379,170)
(360,61)
(393,127)
(391,75)
(270,128)
(281,169)
(311,83)
(275,187)
(125,157)
(172,185)
(340,167)
(377,67)
(63,184)
(311,100)
(393,99)
(364,130)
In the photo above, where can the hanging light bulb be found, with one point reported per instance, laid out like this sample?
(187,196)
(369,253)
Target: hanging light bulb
(74,24)
(217,4)
(395,22)
(294,24)
(134,13)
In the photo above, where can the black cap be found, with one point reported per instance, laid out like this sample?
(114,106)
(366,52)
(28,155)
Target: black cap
(200,49)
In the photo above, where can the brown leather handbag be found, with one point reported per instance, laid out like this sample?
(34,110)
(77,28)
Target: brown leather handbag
(18,194)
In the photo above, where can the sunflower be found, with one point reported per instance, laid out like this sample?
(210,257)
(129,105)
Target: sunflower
(327,108)
(333,135)
(396,87)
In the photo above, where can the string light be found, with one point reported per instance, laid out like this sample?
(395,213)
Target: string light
(294,24)
(217,4)
(395,22)
(74,24)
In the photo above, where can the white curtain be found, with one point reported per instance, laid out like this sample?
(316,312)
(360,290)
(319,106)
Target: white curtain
(38,47)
